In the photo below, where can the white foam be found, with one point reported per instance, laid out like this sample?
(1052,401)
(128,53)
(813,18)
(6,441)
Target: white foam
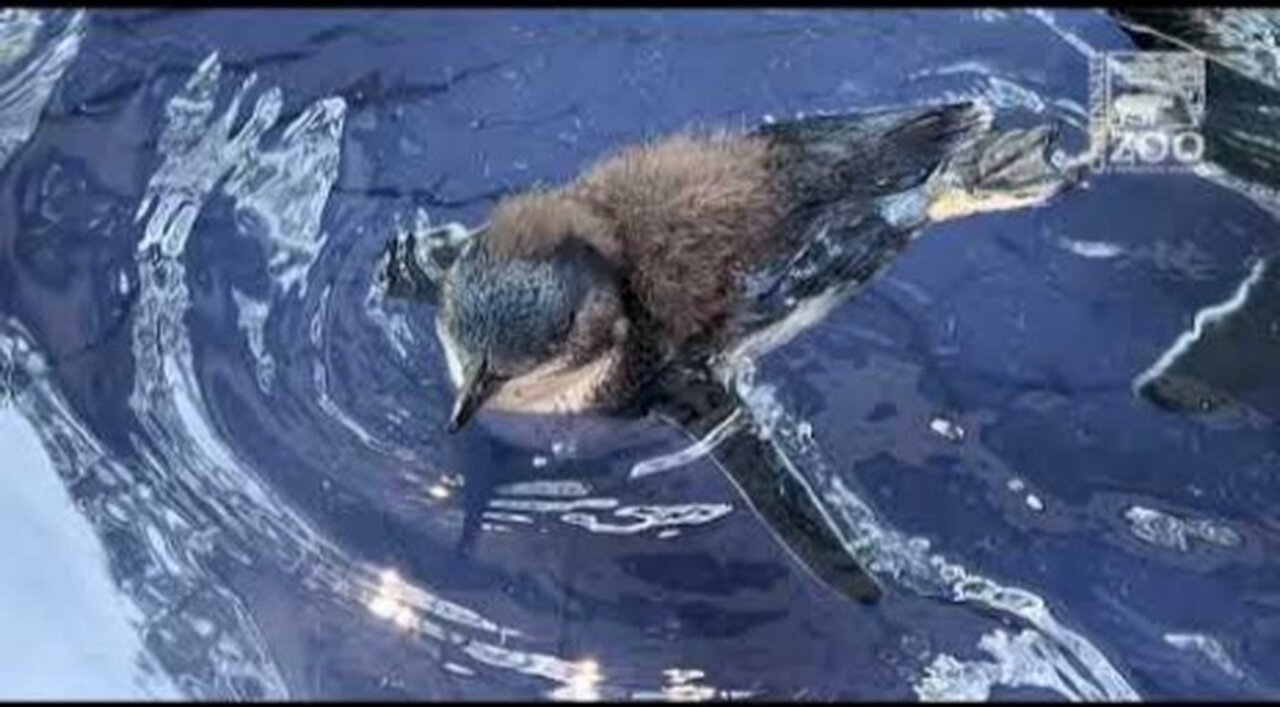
(947,429)
(1023,660)
(1166,530)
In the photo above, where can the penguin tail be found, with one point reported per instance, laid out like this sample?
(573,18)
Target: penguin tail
(871,153)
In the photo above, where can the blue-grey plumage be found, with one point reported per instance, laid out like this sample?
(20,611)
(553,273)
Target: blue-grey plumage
(503,317)
(575,297)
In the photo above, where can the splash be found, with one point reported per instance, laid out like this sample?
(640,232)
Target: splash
(1023,660)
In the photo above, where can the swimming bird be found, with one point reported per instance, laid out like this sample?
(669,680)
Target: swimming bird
(575,297)
(621,290)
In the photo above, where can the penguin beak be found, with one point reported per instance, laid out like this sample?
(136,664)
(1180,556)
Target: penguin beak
(477,386)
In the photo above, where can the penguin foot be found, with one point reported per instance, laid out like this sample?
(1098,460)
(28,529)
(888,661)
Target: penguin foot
(1011,169)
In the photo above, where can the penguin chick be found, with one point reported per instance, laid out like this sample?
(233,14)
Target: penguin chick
(572,298)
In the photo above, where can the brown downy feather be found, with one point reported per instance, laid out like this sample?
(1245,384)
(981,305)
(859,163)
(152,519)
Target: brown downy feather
(534,223)
(684,217)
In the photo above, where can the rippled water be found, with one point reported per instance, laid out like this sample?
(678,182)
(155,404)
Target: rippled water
(227,475)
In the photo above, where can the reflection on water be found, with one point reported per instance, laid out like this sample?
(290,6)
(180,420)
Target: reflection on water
(257,442)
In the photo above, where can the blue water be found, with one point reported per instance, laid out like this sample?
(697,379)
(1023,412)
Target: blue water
(193,207)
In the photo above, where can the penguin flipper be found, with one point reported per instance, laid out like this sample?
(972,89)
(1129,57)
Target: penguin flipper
(793,518)
(842,251)
(698,404)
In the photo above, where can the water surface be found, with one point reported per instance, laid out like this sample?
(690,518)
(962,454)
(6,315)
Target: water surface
(231,447)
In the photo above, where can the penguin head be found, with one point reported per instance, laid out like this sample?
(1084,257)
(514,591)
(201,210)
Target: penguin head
(507,317)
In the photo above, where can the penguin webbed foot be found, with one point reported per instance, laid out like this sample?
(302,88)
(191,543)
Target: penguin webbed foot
(1003,170)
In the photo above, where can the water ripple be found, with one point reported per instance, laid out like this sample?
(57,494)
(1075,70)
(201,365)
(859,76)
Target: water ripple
(190,496)
(889,552)
(26,86)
